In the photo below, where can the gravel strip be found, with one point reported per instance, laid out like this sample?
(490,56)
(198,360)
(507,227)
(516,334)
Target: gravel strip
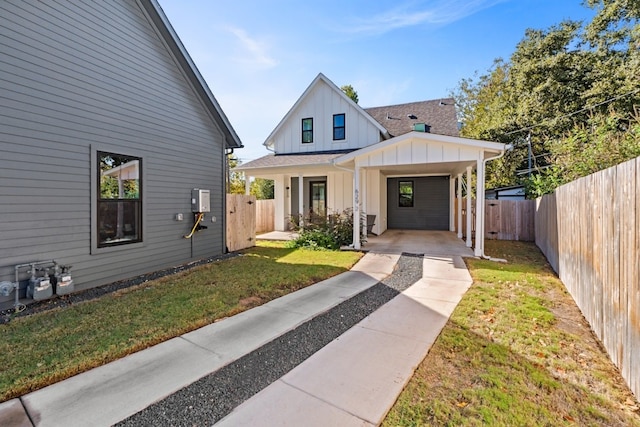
(211,398)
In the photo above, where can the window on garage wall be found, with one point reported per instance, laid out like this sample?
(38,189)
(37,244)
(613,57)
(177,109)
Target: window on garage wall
(405,193)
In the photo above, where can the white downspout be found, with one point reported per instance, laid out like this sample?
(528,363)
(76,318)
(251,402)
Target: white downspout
(468,207)
(459,206)
(484,167)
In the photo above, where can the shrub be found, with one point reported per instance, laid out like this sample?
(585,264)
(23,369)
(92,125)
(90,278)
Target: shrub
(328,232)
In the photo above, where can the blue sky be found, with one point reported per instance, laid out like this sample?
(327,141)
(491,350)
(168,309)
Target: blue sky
(259,56)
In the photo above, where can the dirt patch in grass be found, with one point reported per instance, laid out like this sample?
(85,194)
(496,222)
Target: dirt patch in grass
(516,351)
(249,302)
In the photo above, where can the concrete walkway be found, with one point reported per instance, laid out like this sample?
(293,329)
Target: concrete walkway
(356,379)
(352,381)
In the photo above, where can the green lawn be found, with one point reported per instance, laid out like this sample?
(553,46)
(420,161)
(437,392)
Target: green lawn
(516,352)
(44,348)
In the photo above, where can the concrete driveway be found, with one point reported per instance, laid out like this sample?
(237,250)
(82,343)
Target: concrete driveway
(428,242)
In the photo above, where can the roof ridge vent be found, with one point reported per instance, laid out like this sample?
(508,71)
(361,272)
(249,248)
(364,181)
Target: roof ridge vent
(422,127)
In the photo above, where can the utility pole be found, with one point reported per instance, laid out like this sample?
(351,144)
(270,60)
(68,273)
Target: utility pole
(529,153)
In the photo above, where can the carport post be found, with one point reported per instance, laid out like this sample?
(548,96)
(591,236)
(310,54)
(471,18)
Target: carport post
(468,206)
(452,198)
(356,208)
(479,204)
(459,206)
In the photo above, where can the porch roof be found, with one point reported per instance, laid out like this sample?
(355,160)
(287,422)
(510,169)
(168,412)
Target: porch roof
(292,160)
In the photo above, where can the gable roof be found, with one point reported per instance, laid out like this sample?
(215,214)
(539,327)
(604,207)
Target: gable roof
(438,114)
(488,147)
(322,78)
(168,34)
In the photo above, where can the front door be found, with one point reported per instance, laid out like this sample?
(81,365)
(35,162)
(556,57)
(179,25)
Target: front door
(318,198)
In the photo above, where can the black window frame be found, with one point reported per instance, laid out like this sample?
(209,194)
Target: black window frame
(125,206)
(312,184)
(342,128)
(307,133)
(404,196)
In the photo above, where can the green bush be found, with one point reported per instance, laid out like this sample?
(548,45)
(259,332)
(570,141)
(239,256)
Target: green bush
(326,232)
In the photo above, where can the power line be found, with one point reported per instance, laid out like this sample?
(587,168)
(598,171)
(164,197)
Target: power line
(576,112)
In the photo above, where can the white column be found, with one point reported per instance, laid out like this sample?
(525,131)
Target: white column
(356,208)
(280,203)
(363,196)
(468,206)
(247,184)
(479,205)
(301,199)
(459,206)
(452,197)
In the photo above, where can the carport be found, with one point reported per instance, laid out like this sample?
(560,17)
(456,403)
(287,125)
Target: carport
(402,179)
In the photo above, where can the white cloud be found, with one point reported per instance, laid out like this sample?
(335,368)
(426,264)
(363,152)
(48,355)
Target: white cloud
(440,12)
(257,54)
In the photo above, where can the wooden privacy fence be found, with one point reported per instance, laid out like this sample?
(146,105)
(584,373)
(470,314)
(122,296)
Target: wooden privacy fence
(504,219)
(589,230)
(265,215)
(241,222)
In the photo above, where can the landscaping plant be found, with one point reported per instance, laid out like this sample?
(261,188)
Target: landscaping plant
(326,232)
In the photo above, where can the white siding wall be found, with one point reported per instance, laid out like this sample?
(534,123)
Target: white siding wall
(339,191)
(321,104)
(418,152)
(81,74)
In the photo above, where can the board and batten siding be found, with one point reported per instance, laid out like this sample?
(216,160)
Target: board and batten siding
(321,104)
(79,76)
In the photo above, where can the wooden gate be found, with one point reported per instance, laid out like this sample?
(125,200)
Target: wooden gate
(241,222)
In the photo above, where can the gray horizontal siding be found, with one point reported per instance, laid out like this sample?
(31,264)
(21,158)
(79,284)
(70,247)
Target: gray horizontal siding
(431,204)
(80,74)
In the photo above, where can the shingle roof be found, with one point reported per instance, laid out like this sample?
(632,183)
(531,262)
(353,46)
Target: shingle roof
(293,159)
(438,114)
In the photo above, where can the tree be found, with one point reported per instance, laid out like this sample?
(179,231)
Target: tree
(236,181)
(557,83)
(350,92)
(262,188)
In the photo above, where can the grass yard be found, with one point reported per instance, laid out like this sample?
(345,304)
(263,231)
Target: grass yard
(516,352)
(44,348)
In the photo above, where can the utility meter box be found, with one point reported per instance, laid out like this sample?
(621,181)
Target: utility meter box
(200,200)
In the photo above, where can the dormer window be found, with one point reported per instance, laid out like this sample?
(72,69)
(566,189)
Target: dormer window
(307,130)
(338,127)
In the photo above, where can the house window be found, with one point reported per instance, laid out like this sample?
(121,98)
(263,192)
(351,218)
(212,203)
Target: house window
(338,127)
(307,130)
(405,194)
(318,192)
(119,206)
